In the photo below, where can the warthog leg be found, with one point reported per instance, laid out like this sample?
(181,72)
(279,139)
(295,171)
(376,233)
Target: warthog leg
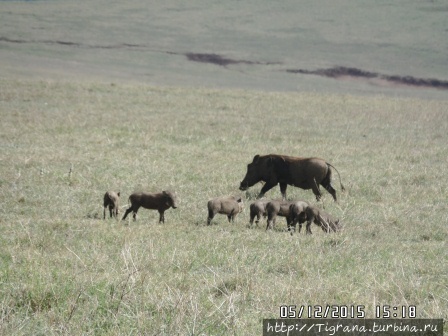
(162,216)
(258,219)
(251,221)
(316,190)
(293,223)
(126,213)
(308,227)
(210,217)
(331,190)
(131,209)
(283,190)
(268,186)
(270,222)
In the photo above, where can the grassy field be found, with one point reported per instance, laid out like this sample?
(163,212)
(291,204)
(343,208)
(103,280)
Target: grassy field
(110,95)
(64,270)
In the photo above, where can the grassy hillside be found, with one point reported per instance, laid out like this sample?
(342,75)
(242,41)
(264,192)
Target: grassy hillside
(140,42)
(63,270)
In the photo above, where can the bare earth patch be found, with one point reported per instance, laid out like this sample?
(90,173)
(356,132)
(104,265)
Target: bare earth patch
(339,72)
(215,59)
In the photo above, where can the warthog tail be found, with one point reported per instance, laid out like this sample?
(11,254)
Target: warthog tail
(340,181)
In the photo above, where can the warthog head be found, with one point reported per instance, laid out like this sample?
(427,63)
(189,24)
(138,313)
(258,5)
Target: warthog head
(337,226)
(171,199)
(240,204)
(330,226)
(252,175)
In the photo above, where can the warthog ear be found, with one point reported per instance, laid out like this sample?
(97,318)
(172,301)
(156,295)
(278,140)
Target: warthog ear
(256,158)
(118,193)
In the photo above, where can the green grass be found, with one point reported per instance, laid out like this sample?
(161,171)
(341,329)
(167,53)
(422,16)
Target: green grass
(63,270)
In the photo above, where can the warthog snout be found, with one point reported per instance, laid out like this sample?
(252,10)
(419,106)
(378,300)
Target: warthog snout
(171,199)
(244,186)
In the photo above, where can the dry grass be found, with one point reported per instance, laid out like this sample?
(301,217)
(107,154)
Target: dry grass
(66,271)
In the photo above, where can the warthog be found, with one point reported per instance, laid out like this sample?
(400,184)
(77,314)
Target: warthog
(226,205)
(155,201)
(111,200)
(322,219)
(257,209)
(297,214)
(277,208)
(305,173)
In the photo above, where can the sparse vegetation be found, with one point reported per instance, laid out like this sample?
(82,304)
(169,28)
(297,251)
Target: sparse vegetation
(64,270)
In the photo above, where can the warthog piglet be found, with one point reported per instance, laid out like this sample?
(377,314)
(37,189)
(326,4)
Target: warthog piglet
(154,201)
(322,219)
(226,205)
(257,209)
(297,215)
(111,201)
(277,208)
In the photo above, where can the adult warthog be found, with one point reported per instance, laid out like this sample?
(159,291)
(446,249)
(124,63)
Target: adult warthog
(305,173)
(156,201)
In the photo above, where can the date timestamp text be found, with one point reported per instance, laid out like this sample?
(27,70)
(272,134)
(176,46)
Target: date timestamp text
(345,311)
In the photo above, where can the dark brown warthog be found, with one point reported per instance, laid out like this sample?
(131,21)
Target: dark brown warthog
(297,214)
(322,219)
(257,209)
(305,173)
(277,208)
(226,205)
(111,200)
(155,201)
